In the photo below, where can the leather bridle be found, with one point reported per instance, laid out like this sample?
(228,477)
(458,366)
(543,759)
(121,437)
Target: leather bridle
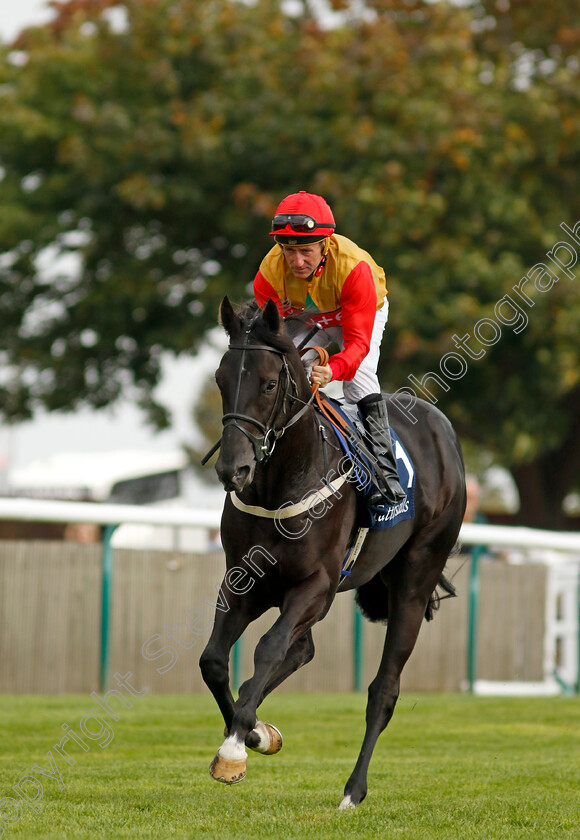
(264,444)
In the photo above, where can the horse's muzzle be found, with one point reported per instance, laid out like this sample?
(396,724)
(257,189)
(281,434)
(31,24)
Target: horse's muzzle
(236,463)
(237,479)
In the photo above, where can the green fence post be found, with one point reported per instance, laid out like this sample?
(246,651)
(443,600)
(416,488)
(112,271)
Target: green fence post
(357,648)
(578,640)
(236,664)
(473,611)
(107,582)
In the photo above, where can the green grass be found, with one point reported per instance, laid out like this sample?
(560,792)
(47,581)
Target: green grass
(449,766)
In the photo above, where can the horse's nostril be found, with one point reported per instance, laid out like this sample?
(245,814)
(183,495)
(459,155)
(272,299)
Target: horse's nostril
(233,481)
(240,477)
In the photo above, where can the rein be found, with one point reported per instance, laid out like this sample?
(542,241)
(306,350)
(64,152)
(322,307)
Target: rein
(324,406)
(333,416)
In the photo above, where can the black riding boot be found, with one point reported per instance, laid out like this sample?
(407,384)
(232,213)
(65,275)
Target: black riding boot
(376,422)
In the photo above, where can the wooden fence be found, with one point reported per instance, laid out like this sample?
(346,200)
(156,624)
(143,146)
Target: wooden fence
(50,601)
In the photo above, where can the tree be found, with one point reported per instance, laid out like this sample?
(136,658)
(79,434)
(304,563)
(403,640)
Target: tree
(120,147)
(446,140)
(517,180)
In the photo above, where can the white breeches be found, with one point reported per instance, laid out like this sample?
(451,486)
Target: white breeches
(365,380)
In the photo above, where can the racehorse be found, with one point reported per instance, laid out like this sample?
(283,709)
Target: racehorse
(282,550)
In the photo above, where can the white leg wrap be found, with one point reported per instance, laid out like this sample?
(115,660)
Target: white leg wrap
(229,764)
(233,749)
(270,738)
(346,804)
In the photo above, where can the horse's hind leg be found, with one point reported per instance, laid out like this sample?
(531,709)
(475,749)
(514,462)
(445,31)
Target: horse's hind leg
(411,582)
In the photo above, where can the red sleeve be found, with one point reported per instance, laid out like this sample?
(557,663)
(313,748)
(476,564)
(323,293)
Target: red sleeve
(263,291)
(358,304)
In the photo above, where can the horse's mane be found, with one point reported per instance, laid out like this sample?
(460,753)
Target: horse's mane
(290,326)
(298,321)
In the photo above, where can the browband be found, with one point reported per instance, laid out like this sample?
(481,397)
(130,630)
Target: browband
(255,347)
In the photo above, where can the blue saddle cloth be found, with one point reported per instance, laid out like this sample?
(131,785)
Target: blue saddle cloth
(380,516)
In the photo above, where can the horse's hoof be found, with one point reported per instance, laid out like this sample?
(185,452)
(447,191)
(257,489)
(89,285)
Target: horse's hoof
(270,738)
(228,770)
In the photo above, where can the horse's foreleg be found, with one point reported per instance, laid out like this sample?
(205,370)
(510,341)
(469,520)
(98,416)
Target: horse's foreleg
(214,662)
(303,606)
(298,654)
(408,597)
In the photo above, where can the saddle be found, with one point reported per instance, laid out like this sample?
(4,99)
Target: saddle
(351,434)
(350,430)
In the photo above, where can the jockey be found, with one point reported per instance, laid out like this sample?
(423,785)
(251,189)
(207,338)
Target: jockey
(311,267)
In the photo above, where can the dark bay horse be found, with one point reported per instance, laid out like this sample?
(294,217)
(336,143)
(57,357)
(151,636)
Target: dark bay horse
(289,518)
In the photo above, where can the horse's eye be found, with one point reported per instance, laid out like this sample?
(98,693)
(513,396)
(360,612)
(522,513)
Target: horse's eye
(271,386)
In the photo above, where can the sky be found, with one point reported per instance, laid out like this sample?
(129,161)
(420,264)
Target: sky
(16,14)
(121,427)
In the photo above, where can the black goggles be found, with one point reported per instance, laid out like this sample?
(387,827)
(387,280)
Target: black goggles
(299,222)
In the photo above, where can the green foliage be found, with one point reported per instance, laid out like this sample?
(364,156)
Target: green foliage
(446,139)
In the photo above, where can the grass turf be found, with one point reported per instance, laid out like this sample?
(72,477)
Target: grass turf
(449,766)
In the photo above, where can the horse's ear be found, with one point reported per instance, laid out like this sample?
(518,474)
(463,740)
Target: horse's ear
(227,317)
(271,316)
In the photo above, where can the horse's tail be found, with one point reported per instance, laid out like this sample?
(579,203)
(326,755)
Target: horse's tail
(373,599)
(436,598)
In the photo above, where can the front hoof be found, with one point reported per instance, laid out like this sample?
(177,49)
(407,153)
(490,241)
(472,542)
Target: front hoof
(270,738)
(228,770)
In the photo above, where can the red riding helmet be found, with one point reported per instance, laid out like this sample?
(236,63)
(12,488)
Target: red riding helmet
(302,218)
